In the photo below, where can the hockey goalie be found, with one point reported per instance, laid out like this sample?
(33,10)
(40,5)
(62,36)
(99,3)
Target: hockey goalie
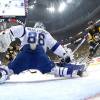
(32,55)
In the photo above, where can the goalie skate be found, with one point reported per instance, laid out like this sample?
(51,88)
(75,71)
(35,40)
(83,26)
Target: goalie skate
(81,72)
(3,75)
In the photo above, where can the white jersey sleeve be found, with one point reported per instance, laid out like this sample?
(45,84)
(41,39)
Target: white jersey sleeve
(69,53)
(50,41)
(55,46)
(17,31)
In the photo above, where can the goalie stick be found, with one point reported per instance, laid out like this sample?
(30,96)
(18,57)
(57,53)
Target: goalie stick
(32,71)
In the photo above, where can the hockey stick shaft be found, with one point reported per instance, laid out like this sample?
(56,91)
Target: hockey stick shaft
(79,45)
(32,72)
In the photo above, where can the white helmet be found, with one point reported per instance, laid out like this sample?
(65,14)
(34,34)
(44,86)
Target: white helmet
(39,25)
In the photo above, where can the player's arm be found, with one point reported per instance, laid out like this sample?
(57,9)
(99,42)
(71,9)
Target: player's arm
(17,31)
(56,48)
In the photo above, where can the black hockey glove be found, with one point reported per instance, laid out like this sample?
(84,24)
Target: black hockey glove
(66,60)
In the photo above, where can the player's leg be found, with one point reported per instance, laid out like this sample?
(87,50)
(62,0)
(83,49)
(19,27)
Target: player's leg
(29,59)
(70,70)
(22,62)
(45,65)
(12,68)
(5,72)
(91,48)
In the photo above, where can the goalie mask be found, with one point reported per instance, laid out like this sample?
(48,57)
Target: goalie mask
(39,25)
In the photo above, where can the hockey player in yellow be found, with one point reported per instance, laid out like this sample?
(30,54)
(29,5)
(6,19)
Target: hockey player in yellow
(93,36)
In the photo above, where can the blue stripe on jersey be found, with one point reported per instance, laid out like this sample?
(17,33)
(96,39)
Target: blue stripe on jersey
(55,47)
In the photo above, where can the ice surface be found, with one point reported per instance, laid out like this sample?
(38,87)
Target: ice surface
(63,89)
